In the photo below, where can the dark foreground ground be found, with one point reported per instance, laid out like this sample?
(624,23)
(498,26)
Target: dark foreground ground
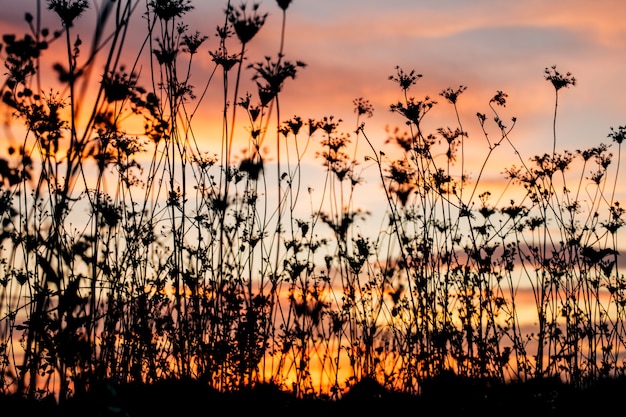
(445,397)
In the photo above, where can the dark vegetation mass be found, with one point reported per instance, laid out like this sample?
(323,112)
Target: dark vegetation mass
(146,270)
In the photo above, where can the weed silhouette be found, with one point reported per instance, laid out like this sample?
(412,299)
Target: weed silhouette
(132,255)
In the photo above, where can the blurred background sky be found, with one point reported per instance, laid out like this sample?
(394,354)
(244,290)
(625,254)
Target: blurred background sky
(486,45)
(351,47)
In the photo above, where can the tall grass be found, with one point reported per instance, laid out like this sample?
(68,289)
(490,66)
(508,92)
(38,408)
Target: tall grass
(134,250)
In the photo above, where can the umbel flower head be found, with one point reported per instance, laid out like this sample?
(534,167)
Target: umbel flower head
(405,80)
(246,26)
(271,75)
(68,10)
(168,9)
(221,57)
(363,107)
(618,135)
(558,79)
(283,4)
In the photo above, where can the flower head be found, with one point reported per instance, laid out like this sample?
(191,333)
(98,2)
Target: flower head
(168,9)
(246,25)
(191,43)
(68,10)
(499,99)
(363,107)
(283,4)
(559,80)
(405,80)
(270,76)
(221,57)
(452,95)
(618,135)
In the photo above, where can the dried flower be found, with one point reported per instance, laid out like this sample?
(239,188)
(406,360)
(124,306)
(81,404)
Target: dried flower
(452,95)
(559,80)
(413,111)
(618,135)
(119,85)
(363,107)
(246,27)
(221,57)
(405,80)
(499,98)
(166,55)
(283,4)
(168,9)
(68,10)
(273,75)
(191,43)
(294,125)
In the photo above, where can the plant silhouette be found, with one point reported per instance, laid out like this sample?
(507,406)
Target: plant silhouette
(135,253)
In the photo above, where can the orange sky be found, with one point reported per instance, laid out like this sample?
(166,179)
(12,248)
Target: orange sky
(351,47)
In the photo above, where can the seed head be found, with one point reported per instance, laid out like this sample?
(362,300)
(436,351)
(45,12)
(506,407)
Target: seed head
(68,10)
(283,4)
(559,80)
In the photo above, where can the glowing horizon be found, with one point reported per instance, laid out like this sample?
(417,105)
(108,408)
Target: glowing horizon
(351,49)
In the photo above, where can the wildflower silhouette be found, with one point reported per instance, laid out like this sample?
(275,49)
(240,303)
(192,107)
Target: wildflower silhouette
(169,9)
(246,26)
(68,10)
(558,81)
(133,253)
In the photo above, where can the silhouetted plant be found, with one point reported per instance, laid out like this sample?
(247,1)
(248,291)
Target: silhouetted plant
(132,253)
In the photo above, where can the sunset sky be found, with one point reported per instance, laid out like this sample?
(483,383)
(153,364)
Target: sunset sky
(351,48)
